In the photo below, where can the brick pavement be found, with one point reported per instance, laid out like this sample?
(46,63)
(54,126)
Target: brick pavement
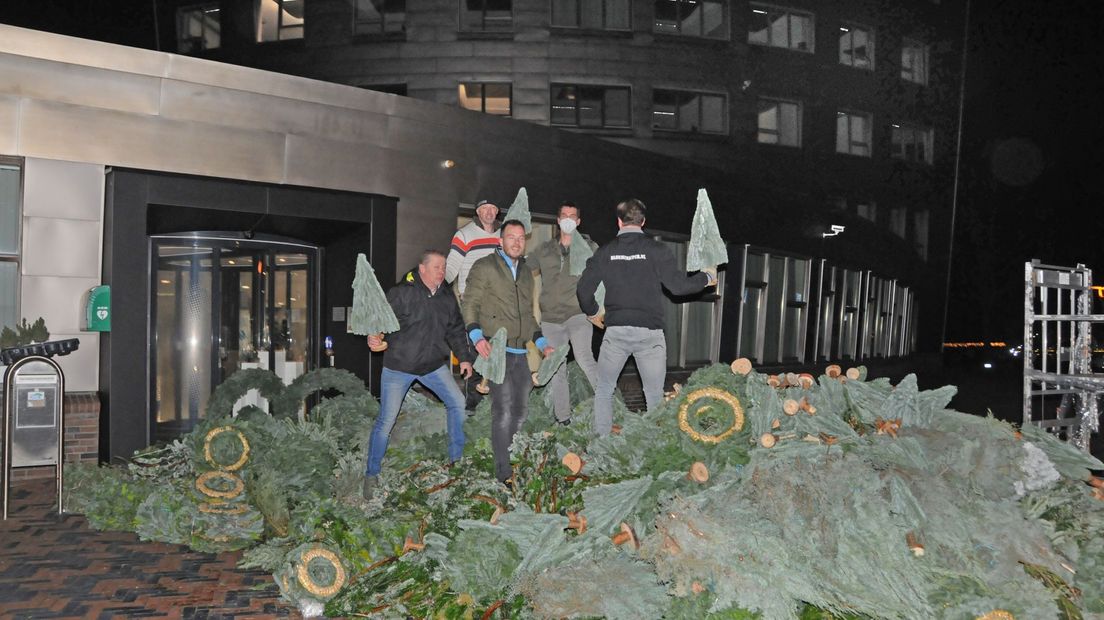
(58,567)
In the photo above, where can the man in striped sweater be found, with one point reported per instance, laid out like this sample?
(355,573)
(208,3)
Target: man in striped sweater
(475,240)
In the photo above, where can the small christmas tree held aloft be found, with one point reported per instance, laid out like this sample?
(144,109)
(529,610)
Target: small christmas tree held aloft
(371,314)
(520,211)
(706,248)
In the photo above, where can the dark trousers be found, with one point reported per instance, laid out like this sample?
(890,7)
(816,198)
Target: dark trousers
(509,408)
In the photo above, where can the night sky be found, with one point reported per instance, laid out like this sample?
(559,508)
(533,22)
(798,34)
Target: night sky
(1032,167)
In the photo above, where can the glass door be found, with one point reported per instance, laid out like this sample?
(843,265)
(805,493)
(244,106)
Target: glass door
(221,305)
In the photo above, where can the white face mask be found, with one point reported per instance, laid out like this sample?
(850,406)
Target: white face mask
(568,225)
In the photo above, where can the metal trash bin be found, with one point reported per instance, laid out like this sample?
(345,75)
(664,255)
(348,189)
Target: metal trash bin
(33,396)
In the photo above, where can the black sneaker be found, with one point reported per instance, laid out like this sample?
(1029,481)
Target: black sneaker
(369,485)
(566,422)
(509,484)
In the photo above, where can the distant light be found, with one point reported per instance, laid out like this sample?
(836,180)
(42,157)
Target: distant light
(231,262)
(759,11)
(245,287)
(165,282)
(987,365)
(448,163)
(842,29)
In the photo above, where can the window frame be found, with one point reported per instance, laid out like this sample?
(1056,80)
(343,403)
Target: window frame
(553,86)
(725,20)
(868,118)
(916,75)
(578,19)
(799,116)
(382,31)
(850,28)
(483,96)
(464,27)
(771,9)
(205,7)
(280,27)
(680,93)
(16,258)
(927,134)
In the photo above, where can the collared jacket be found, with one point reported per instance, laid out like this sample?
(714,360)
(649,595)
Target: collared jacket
(430,324)
(494,299)
(558,301)
(469,244)
(635,269)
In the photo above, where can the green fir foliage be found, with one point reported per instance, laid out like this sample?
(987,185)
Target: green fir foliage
(706,248)
(519,211)
(578,253)
(493,367)
(549,365)
(371,314)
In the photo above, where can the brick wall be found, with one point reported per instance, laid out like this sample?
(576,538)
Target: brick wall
(82,435)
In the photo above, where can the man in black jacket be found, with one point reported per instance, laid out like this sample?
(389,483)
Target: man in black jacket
(634,268)
(430,325)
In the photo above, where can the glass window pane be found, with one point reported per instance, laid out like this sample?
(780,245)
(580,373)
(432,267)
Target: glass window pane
(801,32)
(497,99)
(714,23)
(590,107)
(689,119)
(666,16)
(862,48)
(699,332)
(563,105)
(759,27)
(9,293)
(291,19)
(471,96)
(691,18)
(842,133)
(791,124)
(367,14)
(565,13)
(268,20)
(779,27)
(664,113)
(845,46)
(617,14)
(749,331)
(773,310)
(590,14)
(394,15)
(712,114)
(9,210)
(617,107)
(499,14)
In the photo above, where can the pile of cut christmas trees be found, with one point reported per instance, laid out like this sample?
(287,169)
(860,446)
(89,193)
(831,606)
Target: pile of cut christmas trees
(745,495)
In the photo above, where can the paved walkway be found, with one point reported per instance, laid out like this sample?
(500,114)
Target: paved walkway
(58,567)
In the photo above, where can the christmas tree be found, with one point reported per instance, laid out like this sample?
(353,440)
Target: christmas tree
(520,211)
(706,248)
(494,367)
(371,313)
(578,254)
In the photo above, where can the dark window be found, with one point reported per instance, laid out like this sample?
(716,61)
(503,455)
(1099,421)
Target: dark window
(486,15)
(379,16)
(688,111)
(693,18)
(490,98)
(197,28)
(592,14)
(912,143)
(591,106)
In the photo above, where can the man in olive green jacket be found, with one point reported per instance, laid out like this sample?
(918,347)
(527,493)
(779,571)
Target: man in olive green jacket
(562,320)
(499,294)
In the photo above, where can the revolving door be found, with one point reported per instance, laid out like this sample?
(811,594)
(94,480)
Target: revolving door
(222,304)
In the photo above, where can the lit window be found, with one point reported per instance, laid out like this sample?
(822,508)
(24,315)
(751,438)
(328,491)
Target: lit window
(379,16)
(778,27)
(591,14)
(779,122)
(489,98)
(279,20)
(853,133)
(914,61)
(486,15)
(693,18)
(912,143)
(10,227)
(856,47)
(197,28)
(591,106)
(674,110)
(867,210)
(898,221)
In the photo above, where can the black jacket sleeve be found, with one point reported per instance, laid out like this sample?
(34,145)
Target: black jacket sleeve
(455,333)
(588,285)
(675,280)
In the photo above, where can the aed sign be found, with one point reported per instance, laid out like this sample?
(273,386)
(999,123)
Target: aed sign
(97,309)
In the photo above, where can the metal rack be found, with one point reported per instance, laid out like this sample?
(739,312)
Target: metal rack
(1061,393)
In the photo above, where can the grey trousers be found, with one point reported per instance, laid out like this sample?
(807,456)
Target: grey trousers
(649,348)
(509,408)
(578,331)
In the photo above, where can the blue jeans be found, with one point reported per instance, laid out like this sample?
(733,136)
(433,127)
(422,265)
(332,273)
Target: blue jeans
(393,388)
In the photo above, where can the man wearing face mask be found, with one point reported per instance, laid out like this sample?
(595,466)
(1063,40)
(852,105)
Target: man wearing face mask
(562,320)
